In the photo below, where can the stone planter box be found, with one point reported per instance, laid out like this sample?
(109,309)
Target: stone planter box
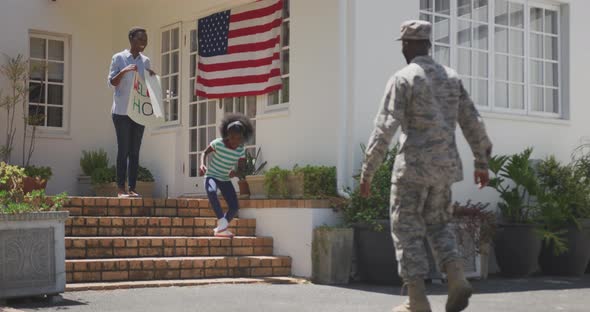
(32,254)
(257,190)
(145,189)
(256,184)
(84,186)
(332,255)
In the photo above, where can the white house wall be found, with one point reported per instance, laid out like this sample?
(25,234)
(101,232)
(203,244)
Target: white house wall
(89,24)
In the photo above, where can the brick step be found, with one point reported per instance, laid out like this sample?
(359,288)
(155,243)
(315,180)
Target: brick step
(113,270)
(152,226)
(133,247)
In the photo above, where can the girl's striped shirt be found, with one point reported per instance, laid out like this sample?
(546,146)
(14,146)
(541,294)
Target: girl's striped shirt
(223,160)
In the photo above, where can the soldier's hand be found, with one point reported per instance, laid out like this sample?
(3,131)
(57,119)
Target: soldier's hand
(482,177)
(365,189)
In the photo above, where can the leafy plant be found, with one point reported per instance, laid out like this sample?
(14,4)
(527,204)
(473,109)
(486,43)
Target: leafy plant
(36,201)
(478,222)
(11,177)
(143,174)
(275,182)
(516,181)
(104,175)
(251,166)
(318,181)
(43,173)
(376,206)
(93,160)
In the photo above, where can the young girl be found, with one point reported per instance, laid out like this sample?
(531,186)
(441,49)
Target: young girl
(226,152)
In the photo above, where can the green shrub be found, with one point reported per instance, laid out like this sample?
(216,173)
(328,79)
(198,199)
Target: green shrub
(11,177)
(93,160)
(104,175)
(275,182)
(318,181)
(251,167)
(36,201)
(143,174)
(44,173)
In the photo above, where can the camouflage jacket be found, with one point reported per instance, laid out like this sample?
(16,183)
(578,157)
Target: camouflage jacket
(427,100)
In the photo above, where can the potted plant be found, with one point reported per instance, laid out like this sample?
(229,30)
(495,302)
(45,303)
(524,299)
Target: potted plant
(32,240)
(89,162)
(375,253)
(332,248)
(36,178)
(564,201)
(145,182)
(250,171)
(318,181)
(476,227)
(517,243)
(104,182)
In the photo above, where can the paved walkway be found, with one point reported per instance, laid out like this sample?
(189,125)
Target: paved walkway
(518,295)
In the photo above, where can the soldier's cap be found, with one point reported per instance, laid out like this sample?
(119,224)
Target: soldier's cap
(415,30)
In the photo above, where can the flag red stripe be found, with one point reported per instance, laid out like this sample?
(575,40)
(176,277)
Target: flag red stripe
(251,47)
(245,93)
(258,29)
(238,80)
(256,13)
(239,64)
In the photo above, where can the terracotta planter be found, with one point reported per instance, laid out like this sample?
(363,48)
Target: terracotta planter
(33,183)
(332,255)
(84,185)
(244,189)
(256,185)
(145,189)
(105,190)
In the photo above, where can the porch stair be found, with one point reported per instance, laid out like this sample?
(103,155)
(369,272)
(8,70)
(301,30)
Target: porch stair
(111,240)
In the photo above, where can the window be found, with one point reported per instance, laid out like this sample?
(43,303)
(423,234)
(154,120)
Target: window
(48,84)
(282,96)
(170,76)
(245,105)
(506,52)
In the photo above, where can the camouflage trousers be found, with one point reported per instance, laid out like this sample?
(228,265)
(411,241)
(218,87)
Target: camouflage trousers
(418,212)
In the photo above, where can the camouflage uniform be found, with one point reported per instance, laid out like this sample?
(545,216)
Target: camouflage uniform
(427,100)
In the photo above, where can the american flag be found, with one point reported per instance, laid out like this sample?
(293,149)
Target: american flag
(239,51)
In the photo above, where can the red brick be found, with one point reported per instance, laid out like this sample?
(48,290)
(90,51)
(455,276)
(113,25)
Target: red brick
(109,266)
(220,251)
(141,222)
(159,202)
(76,253)
(139,202)
(92,243)
(177,222)
(287,262)
(77,221)
(148,264)
(144,242)
(80,267)
(182,203)
(181,232)
(122,265)
(281,271)
(167,274)
(232,262)
(69,266)
(141,275)
(134,265)
(262,272)
(88,201)
(113,202)
(174,264)
(255,262)
(118,222)
(198,263)
(266,262)
(100,252)
(126,252)
(94,211)
(74,211)
(157,242)
(243,251)
(100,202)
(115,276)
(191,273)
(94,266)
(169,252)
(244,262)
(186,264)
(131,243)
(78,243)
(209,273)
(76,202)
(165,222)
(105,222)
(86,277)
(277,262)
(199,222)
(197,251)
(106,243)
(193,203)
(69,277)
(125,202)
(149,252)
(169,242)
(171,203)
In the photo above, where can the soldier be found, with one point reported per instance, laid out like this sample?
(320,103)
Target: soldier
(427,100)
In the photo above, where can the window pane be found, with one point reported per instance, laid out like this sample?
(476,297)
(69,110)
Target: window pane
(550,48)
(285,91)
(175,38)
(239,105)
(516,96)
(551,74)
(56,50)
(165,82)
(37,70)
(285,35)
(464,62)
(228,105)
(467,84)
(36,92)
(203,139)
(464,8)
(54,117)
(443,6)
(174,86)
(480,92)
(166,41)
(36,115)
(426,17)
(551,22)
(193,68)
(517,42)
(480,64)
(193,165)
(501,67)
(501,12)
(166,110)
(37,48)
(480,11)
(516,69)
(174,109)
(537,99)
(251,109)
(537,19)
(166,64)
(55,94)
(202,114)
(501,39)
(536,46)
(211,134)
(551,101)
(441,30)
(194,41)
(193,116)
(501,95)
(211,112)
(516,15)
(536,72)
(55,72)
(286,9)
(273,98)
(285,61)
(464,34)
(480,36)
(442,55)
(175,60)
(426,5)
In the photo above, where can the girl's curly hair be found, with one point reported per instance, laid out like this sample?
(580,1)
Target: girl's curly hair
(238,123)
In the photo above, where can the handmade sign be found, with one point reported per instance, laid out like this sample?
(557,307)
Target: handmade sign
(145,101)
